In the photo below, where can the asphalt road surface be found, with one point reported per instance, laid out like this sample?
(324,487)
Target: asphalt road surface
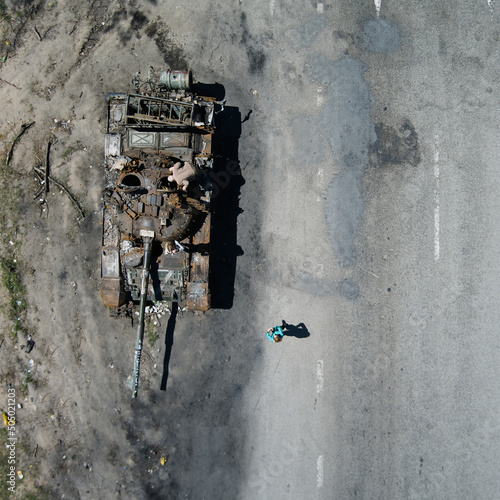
(370,215)
(364,212)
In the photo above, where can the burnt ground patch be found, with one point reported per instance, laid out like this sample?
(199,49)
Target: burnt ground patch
(172,54)
(256,57)
(257,60)
(139,21)
(395,146)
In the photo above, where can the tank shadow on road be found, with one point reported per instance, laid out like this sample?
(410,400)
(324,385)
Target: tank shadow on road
(227,181)
(169,342)
(215,90)
(299,331)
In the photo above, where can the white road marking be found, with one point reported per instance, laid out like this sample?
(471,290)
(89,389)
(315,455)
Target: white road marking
(320,184)
(272,5)
(378,4)
(436,203)
(319,376)
(436,233)
(319,8)
(319,471)
(320,97)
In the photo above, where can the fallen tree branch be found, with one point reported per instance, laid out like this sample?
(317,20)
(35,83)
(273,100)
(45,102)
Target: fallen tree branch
(64,189)
(37,32)
(24,127)
(11,84)
(41,182)
(46,185)
(38,193)
(41,37)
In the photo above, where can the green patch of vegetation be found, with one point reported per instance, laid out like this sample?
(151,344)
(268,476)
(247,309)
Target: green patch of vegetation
(11,197)
(68,152)
(22,459)
(12,21)
(151,332)
(11,200)
(28,378)
(40,495)
(72,148)
(4,12)
(17,304)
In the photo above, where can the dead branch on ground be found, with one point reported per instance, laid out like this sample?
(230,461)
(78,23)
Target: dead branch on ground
(24,127)
(40,171)
(11,84)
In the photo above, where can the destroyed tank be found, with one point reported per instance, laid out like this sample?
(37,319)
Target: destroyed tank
(157,194)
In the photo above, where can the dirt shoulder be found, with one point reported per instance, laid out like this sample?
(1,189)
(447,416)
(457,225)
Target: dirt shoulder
(57,63)
(79,434)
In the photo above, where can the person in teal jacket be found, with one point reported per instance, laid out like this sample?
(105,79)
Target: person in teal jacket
(276,334)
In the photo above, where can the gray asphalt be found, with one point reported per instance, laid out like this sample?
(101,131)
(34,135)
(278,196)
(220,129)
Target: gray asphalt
(369,213)
(383,240)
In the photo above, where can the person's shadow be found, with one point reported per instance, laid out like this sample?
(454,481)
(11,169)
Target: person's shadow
(169,342)
(300,331)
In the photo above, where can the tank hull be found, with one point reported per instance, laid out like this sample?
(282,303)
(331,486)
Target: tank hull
(158,163)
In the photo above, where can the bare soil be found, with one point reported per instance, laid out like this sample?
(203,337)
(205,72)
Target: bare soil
(75,423)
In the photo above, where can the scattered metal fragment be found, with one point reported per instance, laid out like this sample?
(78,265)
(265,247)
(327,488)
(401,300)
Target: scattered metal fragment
(30,343)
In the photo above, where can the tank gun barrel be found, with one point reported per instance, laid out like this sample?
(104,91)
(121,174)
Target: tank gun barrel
(148,244)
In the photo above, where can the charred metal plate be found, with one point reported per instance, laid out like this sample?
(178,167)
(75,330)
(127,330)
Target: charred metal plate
(199,267)
(175,261)
(112,145)
(111,293)
(174,140)
(198,297)
(184,154)
(202,237)
(164,285)
(110,262)
(142,139)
